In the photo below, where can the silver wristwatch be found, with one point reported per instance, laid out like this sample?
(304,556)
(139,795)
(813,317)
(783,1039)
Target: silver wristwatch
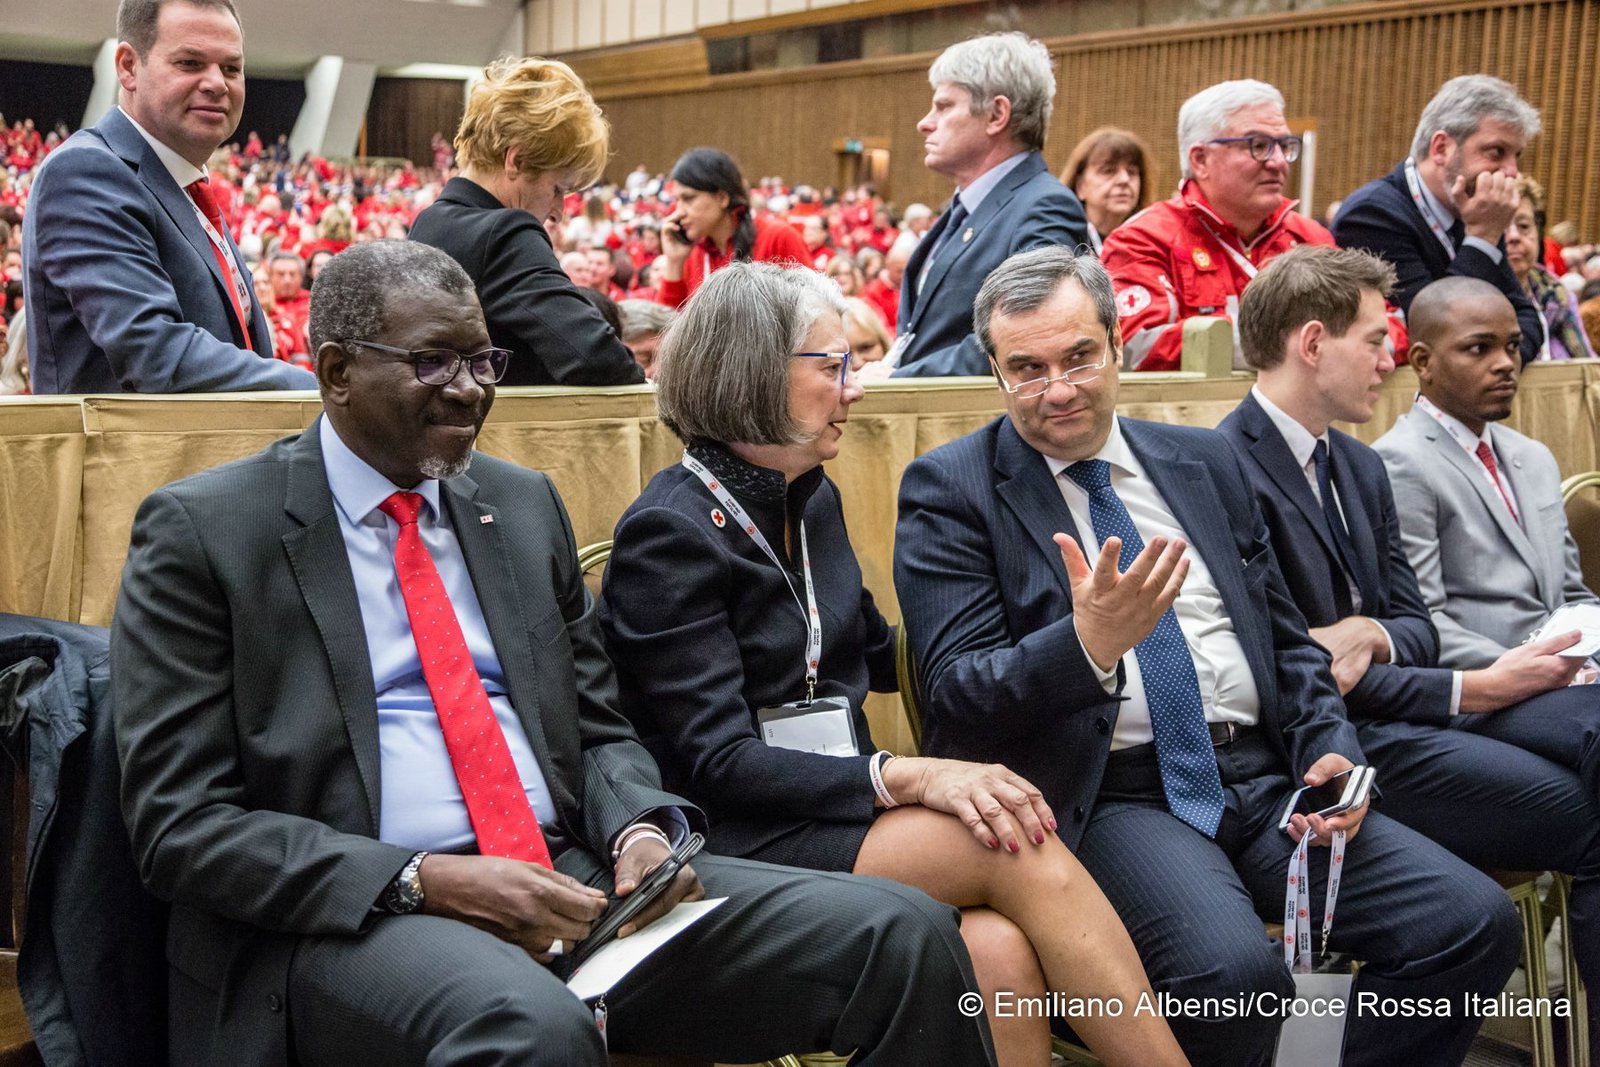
(404,894)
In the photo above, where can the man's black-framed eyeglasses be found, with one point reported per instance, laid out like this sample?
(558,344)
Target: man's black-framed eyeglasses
(439,366)
(1261,145)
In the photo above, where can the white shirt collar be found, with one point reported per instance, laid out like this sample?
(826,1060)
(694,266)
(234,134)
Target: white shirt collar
(1299,439)
(357,488)
(1115,452)
(1455,427)
(973,195)
(183,172)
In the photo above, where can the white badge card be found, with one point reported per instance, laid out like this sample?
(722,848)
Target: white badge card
(824,725)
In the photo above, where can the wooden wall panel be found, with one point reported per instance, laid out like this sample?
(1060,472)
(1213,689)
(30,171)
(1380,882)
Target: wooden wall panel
(404,114)
(1361,73)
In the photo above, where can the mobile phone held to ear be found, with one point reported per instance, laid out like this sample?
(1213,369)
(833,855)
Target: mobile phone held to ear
(1343,792)
(673,232)
(620,911)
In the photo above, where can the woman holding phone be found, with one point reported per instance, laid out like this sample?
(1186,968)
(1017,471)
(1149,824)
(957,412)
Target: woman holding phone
(755,714)
(712,226)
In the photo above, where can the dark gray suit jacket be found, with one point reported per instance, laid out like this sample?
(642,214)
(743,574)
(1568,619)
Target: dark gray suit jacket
(123,291)
(988,607)
(247,721)
(1029,209)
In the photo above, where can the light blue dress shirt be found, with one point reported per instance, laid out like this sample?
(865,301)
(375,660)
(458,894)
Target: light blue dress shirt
(421,804)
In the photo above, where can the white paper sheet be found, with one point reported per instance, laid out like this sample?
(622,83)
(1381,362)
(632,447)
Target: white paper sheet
(612,963)
(826,731)
(1568,617)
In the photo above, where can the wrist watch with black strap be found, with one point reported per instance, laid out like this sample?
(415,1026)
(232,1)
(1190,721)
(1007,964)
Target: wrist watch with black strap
(404,893)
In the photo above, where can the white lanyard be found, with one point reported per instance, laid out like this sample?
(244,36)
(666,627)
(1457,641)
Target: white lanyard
(1297,905)
(1095,241)
(228,265)
(1440,231)
(1249,268)
(809,608)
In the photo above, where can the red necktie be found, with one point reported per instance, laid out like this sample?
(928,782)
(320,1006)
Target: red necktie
(200,192)
(496,801)
(1486,457)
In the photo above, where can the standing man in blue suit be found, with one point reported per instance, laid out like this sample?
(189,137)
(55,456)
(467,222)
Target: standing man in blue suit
(992,98)
(133,283)
(1500,764)
(1168,711)
(1444,210)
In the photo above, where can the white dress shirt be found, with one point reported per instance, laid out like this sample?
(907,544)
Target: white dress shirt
(421,804)
(1227,688)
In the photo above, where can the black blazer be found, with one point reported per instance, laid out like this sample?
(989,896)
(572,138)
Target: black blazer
(529,303)
(1411,687)
(704,631)
(1381,218)
(247,723)
(989,607)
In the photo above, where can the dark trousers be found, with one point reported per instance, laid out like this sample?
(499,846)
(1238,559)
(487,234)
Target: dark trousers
(792,962)
(1516,789)
(1426,924)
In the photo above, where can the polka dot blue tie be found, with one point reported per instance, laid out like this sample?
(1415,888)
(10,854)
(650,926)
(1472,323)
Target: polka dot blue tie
(1177,717)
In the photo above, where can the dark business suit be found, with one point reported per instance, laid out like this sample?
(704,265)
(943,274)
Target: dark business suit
(1381,218)
(1029,208)
(123,290)
(248,730)
(989,608)
(705,632)
(1501,789)
(555,335)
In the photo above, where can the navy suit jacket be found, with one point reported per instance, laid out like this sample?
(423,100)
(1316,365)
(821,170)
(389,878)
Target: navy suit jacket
(988,606)
(1381,218)
(1411,687)
(122,289)
(1028,209)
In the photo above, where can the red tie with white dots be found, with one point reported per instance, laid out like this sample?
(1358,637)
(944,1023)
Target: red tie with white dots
(496,801)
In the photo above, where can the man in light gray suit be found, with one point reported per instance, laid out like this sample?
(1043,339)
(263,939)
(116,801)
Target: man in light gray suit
(1479,504)
(133,283)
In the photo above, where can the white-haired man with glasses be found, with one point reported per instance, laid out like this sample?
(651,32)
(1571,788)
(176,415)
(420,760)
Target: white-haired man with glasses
(1092,601)
(1195,253)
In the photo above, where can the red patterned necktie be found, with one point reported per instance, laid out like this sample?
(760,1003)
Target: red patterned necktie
(1486,457)
(498,805)
(200,192)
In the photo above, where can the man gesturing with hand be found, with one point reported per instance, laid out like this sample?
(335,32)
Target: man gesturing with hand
(1166,698)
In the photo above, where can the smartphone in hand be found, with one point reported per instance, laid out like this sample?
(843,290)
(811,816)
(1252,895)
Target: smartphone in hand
(1343,792)
(622,910)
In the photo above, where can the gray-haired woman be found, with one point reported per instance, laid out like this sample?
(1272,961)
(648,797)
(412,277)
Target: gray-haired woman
(745,645)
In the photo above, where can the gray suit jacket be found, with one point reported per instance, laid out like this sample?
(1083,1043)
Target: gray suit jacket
(1028,209)
(247,722)
(123,291)
(1487,581)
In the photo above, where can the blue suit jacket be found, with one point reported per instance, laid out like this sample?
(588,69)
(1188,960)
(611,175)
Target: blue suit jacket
(1029,209)
(989,610)
(1381,218)
(123,291)
(1411,687)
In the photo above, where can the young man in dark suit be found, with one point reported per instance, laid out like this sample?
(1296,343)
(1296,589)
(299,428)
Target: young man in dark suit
(371,755)
(992,98)
(1497,764)
(133,282)
(1444,210)
(1169,711)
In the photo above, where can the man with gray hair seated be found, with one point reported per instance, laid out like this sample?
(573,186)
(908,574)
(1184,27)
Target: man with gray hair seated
(1195,253)
(643,324)
(992,98)
(1444,209)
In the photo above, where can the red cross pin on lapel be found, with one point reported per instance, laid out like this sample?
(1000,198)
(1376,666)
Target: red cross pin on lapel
(486,519)
(718,518)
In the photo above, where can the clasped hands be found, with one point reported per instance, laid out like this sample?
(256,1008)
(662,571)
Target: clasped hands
(532,906)
(989,799)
